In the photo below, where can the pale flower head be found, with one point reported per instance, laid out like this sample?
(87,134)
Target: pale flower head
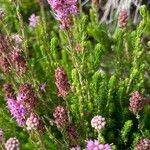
(17,38)
(33,20)
(98,122)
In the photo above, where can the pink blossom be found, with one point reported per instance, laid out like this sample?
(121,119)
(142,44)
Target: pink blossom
(17,38)
(95,145)
(64,9)
(98,122)
(33,20)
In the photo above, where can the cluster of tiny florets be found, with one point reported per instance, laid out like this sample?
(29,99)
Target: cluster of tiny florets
(98,122)
(143,144)
(32,122)
(95,145)
(27,96)
(18,111)
(12,144)
(61,116)
(137,102)
(61,82)
(123,18)
(64,10)
(33,20)
(18,61)
(11,57)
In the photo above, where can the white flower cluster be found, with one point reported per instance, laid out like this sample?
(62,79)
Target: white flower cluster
(12,144)
(32,122)
(98,122)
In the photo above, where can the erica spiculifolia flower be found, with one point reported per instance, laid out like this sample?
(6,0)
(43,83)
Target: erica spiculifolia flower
(98,122)
(5,65)
(137,102)
(33,20)
(143,144)
(12,144)
(32,122)
(61,82)
(64,10)
(17,38)
(66,23)
(95,145)
(76,148)
(9,91)
(18,61)
(61,116)
(1,135)
(27,96)
(17,110)
(123,18)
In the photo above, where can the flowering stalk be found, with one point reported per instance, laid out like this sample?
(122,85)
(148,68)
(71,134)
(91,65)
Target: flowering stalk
(64,10)
(83,84)
(75,62)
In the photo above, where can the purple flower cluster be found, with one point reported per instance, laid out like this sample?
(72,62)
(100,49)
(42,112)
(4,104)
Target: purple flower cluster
(95,145)
(62,82)
(137,102)
(33,20)
(27,96)
(12,144)
(18,61)
(63,10)
(20,106)
(123,18)
(17,110)
(143,144)
(98,122)
(11,57)
(61,116)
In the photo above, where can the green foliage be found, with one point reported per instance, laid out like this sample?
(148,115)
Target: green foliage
(103,69)
(125,132)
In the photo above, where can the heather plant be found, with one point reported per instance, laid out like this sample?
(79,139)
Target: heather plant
(70,80)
